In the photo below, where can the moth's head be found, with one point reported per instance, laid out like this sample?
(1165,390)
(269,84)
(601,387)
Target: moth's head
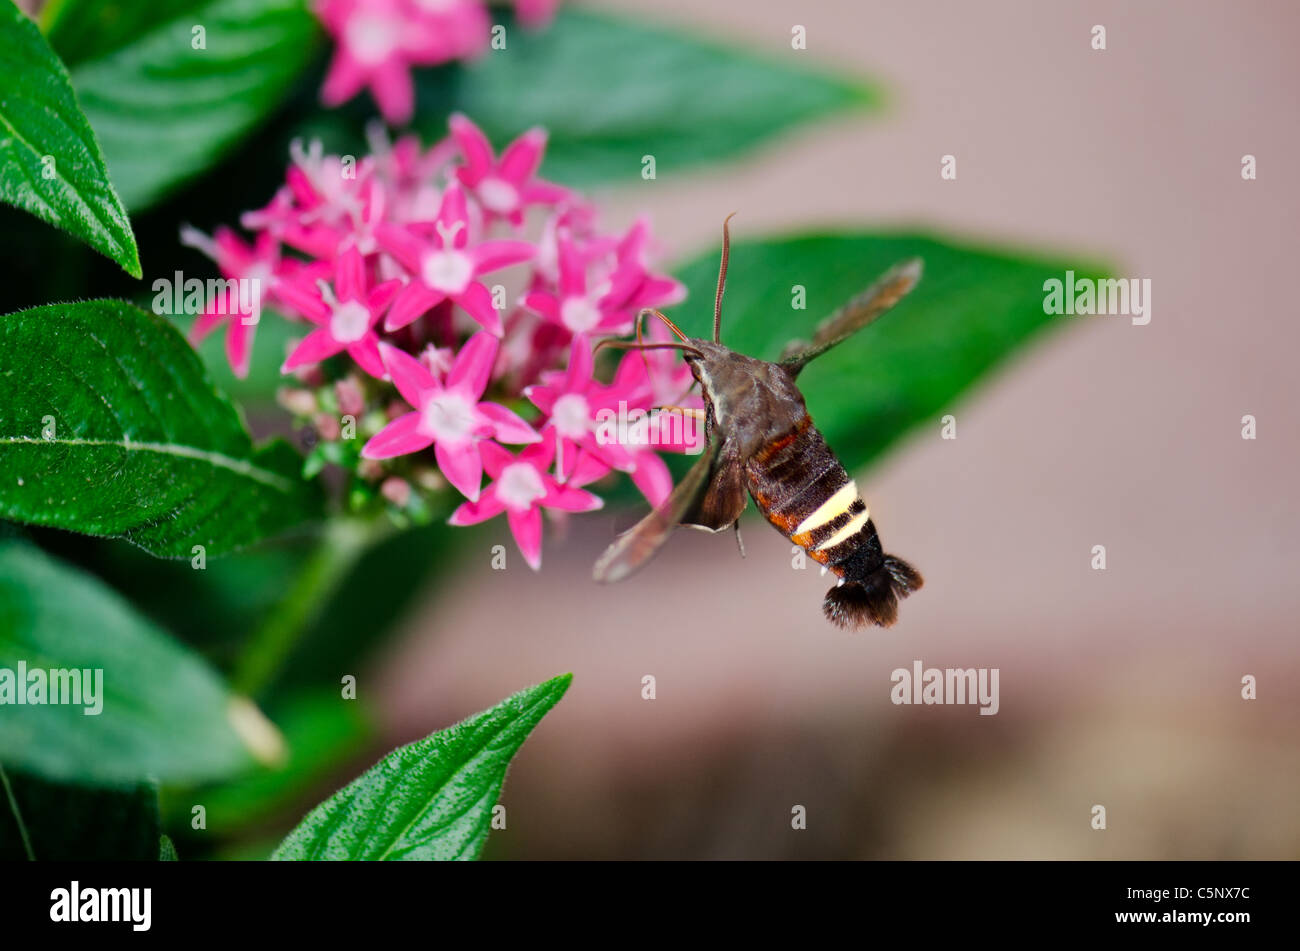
(704,352)
(719,368)
(706,358)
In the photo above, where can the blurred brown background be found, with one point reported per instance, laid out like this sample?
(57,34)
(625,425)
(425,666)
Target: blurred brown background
(1118,687)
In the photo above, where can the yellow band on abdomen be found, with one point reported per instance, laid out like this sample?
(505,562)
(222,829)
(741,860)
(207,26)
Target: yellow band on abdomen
(848,531)
(831,509)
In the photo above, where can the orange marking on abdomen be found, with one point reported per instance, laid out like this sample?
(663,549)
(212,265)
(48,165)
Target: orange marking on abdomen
(784,524)
(780,442)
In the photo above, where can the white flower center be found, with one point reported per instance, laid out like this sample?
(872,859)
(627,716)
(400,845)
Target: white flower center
(349,322)
(572,416)
(579,314)
(372,39)
(498,195)
(447,271)
(450,419)
(519,486)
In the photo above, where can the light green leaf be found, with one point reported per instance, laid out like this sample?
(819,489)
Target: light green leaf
(167,850)
(611,91)
(432,799)
(163,714)
(164,110)
(50,163)
(973,309)
(110,426)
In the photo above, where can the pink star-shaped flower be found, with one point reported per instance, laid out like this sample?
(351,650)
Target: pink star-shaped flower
(446,266)
(657,382)
(521,488)
(450,415)
(578,307)
(345,316)
(632,285)
(575,220)
(323,202)
(505,186)
(581,412)
(409,172)
(237,261)
(375,43)
(657,377)
(462,29)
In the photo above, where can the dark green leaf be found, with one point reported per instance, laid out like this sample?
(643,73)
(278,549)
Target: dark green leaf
(79,823)
(163,713)
(164,110)
(973,308)
(110,426)
(432,799)
(85,29)
(611,91)
(50,163)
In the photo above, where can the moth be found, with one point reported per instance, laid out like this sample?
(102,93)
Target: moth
(761,442)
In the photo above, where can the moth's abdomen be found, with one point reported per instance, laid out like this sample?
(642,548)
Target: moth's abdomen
(806,493)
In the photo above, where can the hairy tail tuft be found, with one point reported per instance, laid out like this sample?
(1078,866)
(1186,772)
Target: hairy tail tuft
(874,599)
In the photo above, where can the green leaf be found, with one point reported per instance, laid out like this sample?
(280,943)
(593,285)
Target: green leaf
(163,713)
(432,799)
(110,426)
(166,111)
(66,822)
(85,29)
(611,91)
(973,308)
(167,850)
(50,163)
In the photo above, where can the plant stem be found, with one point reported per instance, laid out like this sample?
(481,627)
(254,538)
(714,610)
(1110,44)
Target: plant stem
(344,541)
(18,816)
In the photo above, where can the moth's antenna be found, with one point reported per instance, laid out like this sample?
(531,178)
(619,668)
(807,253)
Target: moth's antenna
(629,345)
(722,279)
(640,319)
(671,326)
(642,346)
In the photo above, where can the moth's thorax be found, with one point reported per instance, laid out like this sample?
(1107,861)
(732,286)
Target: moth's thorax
(752,400)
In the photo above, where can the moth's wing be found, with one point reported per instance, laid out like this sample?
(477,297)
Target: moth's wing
(854,315)
(723,499)
(638,544)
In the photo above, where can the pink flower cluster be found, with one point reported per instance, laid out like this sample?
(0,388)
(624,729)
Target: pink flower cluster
(378,41)
(396,266)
